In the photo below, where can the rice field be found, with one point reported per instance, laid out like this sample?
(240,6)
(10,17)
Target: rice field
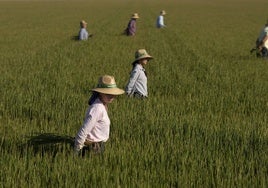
(203,125)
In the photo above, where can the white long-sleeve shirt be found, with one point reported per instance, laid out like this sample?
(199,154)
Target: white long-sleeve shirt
(96,127)
(83,34)
(160,21)
(263,36)
(137,81)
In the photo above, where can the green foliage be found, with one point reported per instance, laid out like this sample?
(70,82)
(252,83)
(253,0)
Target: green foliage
(203,125)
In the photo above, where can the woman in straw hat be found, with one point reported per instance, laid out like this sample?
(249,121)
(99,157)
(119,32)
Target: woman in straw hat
(160,20)
(83,33)
(131,27)
(96,128)
(137,84)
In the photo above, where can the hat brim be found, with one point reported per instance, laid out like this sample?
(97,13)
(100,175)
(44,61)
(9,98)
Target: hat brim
(144,57)
(110,91)
(83,22)
(135,17)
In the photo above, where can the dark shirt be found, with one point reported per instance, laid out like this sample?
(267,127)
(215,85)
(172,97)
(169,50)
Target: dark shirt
(131,27)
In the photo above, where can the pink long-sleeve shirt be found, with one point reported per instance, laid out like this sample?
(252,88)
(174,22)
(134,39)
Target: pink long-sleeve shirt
(96,127)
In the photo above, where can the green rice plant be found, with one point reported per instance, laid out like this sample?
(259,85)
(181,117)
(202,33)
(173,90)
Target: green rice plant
(203,125)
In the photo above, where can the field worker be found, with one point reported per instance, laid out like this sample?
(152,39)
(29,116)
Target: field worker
(96,128)
(137,84)
(83,34)
(131,27)
(262,41)
(160,20)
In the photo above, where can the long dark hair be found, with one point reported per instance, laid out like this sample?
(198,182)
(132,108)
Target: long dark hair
(93,97)
(135,63)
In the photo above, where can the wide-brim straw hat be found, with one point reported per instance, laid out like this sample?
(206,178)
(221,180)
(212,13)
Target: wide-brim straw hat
(141,54)
(163,12)
(135,16)
(83,22)
(107,85)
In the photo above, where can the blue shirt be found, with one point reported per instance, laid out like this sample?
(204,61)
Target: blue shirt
(137,81)
(83,34)
(160,21)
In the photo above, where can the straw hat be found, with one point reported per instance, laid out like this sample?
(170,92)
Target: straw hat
(163,12)
(141,54)
(83,22)
(107,85)
(135,16)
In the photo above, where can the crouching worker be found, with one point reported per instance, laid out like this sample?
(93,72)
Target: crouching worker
(96,128)
(262,42)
